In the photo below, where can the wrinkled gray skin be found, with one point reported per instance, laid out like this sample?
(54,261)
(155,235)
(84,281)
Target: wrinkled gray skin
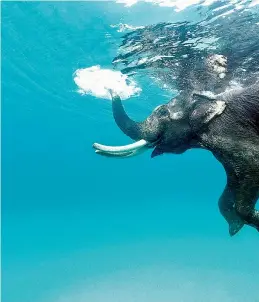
(227,125)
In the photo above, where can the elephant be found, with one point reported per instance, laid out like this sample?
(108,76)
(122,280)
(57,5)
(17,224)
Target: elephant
(226,124)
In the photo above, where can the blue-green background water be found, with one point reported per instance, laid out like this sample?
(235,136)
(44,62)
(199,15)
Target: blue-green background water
(79,227)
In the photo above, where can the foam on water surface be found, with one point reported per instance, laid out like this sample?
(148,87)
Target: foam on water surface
(180,5)
(97,82)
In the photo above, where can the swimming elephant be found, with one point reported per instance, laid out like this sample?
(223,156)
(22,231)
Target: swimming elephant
(226,124)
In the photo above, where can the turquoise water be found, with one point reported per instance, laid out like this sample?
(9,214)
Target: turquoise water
(79,227)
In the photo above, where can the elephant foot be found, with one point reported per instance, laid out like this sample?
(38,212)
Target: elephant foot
(235,227)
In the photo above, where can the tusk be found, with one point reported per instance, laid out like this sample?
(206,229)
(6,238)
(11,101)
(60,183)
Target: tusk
(121,149)
(122,154)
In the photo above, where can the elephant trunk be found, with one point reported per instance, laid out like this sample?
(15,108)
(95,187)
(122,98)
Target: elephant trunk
(144,133)
(147,130)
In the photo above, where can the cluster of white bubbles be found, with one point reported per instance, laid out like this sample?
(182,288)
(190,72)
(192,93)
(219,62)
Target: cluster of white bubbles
(99,82)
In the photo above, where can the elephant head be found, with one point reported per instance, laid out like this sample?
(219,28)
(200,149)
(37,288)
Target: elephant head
(171,127)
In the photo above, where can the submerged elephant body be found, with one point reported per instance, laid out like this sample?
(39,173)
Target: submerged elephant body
(226,124)
(233,138)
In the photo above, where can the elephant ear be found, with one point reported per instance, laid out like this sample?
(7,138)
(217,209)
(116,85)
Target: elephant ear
(204,109)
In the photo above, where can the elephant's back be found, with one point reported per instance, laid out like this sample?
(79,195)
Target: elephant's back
(243,106)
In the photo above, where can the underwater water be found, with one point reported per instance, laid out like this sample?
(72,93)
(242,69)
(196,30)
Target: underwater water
(79,227)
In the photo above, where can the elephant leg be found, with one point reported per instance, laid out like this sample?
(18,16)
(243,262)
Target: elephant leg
(227,209)
(245,200)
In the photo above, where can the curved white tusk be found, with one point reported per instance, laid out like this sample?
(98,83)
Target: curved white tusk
(122,154)
(121,149)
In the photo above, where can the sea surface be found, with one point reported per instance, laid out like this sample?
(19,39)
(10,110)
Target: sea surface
(78,227)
